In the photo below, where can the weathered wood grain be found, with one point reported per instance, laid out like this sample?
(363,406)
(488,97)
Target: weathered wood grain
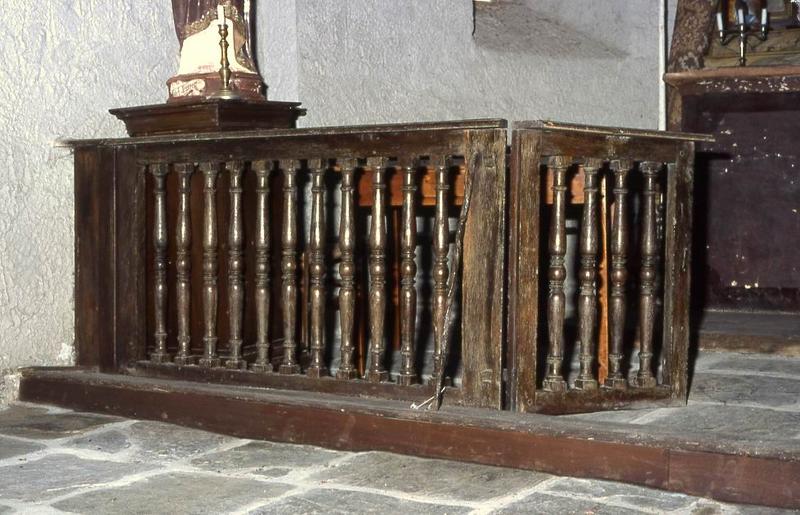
(482,274)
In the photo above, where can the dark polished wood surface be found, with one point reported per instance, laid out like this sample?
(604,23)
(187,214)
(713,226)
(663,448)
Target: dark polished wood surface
(208,115)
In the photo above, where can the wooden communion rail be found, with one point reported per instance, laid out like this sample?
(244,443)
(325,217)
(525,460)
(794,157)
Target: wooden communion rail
(309,285)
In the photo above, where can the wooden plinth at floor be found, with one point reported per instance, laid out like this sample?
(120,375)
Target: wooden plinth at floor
(535,442)
(208,115)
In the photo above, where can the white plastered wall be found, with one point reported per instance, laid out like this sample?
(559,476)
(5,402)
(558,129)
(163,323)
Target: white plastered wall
(65,63)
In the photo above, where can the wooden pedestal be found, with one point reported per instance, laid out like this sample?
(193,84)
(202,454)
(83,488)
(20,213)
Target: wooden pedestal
(208,115)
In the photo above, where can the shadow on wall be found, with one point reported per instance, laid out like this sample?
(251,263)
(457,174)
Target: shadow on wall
(517,28)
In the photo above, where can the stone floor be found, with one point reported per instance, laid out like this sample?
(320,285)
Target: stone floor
(54,461)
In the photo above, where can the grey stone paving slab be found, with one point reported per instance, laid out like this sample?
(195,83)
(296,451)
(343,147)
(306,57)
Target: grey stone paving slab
(265,455)
(730,389)
(156,442)
(757,363)
(763,510)
(708,507)
(271,472)
(632,495)
(37,423)
(58,474)
(174,493)
(738,422)
(538,503)
(436,478)
(10,447)
(619,417)
(111,441)
(338,502)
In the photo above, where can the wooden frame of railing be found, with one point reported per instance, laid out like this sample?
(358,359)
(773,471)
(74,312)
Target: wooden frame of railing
(123,191)
(543,155)
(113,234)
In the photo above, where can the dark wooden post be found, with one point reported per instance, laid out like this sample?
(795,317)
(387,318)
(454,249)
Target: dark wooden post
(618,275)
(160,240)
(210,266)
(235,268)
(377,273)
(317,265)
(587,301)
(183,265)
(554,381)
(482,269)
(647,278)
(347,271)
(677,271)
(289,268)
(524,256)
(441,246)
(408,273)
(262,269)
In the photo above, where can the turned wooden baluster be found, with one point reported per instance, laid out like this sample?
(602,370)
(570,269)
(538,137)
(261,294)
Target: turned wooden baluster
(210,266)
(587,300)
(408,277)
(235,268)
(554,381)
(160,354)
(262,271)
(183,263)
(289,268)
(377,272)
(317,265)
(347,271)
(618,274)
(441,271)
(647,277)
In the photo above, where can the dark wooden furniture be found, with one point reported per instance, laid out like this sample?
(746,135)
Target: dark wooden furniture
(208,115)
(190,289)
(197,277)
(661,165)
(747,188)
(745,257)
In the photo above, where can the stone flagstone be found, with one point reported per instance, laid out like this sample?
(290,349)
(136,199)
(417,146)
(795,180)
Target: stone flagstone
(337,502)
(435,478)
(58,474)
(174,493)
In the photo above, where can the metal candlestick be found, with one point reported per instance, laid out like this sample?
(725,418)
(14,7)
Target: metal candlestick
(225,92)
(743,32)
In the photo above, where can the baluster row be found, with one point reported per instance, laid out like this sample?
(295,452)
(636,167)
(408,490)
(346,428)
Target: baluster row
(588,248)
(288,282)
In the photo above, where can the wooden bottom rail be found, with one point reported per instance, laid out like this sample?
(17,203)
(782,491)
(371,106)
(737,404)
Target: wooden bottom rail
(300,382)
(602,399)
(693,464)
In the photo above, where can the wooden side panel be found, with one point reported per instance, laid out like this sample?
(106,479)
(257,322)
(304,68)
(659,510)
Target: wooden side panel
(94,257)
(523,268)
(483,294)
(677,267)
(129,222)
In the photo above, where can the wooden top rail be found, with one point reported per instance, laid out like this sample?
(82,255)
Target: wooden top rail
(493,123)
(585,141)
(597,130)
